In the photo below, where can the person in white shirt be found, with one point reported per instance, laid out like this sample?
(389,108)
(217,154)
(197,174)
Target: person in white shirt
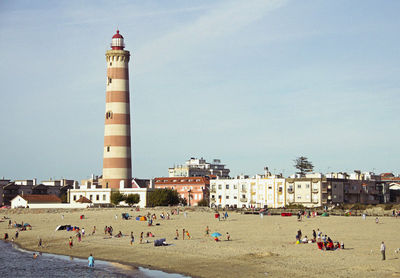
(383,249)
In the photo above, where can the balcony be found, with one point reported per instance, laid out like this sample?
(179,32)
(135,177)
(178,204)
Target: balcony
(213,190)
(243,200)
(290,191)
(315,190)
(324,190)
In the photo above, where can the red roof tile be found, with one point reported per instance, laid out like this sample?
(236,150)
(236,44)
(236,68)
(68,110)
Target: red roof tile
(41,198)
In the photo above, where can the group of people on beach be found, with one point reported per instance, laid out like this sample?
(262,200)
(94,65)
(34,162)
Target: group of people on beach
(323,241)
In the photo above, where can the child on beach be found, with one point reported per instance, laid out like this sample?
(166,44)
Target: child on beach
(207,231)
(228,236)
(132,238)
(91,261)
(188,235)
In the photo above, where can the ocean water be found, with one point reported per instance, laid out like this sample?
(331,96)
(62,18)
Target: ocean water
(16,262)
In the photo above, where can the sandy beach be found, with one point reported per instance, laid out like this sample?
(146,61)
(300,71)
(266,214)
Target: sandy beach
(259,247)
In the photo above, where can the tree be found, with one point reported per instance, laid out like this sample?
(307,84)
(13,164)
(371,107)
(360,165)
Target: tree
(303,165)
(116,198)
(163,197)
(132,199)
(203,203)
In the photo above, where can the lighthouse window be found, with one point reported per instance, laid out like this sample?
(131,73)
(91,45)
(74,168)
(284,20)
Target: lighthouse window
(109,115)
(108,148)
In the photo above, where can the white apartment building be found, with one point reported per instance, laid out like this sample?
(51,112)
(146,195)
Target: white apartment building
(195,167)
(259,192)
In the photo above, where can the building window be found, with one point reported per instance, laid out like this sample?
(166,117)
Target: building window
(108,148)
(110,64)
(106,184)
(269,187)
(298,197)
(97,197)
(91,197)
(109,80)
(307,186)
(227,197)
(104,197)
(74,197)
(235,197)
(227,186)
(109,115)
(299,186)
(235,186)
(219,186)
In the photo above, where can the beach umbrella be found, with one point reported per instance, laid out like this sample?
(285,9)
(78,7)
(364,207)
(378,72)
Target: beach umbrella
(216,234)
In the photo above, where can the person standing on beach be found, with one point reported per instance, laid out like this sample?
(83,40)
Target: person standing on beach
(207,231)
(40,242)
(228,236)
(141,237)
(94,230)
(383,250)
(105,230)
(70,242)
(16,234)
(177,234)
(132,238)
(91,261)
(183,234)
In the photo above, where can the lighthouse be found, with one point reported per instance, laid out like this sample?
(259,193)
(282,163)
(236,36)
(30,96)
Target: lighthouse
(117,164)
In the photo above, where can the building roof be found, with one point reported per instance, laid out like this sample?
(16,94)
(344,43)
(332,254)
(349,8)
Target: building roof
(83,200)
(140,183)
(181,180)
(117,35)
(33,198)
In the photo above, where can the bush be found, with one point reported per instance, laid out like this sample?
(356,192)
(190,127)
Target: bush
(132,199)
(388,207)
(163,197)
(116,198)
(203,203)
(358,206)
(295,206)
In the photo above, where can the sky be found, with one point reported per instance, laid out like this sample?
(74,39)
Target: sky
(253,83)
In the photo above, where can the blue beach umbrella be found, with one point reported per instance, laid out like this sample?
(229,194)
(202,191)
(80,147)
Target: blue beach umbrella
(216,234)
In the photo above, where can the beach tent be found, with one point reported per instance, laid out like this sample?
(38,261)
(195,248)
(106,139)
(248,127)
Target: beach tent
(325,214)
(159,242)
(141,218)
(62,227)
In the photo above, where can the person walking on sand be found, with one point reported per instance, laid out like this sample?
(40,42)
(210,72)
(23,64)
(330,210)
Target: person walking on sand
(377,220)
(188,235)
(91,261)
(183,234)
(132,238)
(40,242)
(207,231)
(177,234)
(94,230)
(141,237)
(70,242)
(105,230)
(383,250)
(228,236)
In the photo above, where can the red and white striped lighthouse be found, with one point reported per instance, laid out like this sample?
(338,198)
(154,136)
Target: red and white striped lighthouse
(117,165)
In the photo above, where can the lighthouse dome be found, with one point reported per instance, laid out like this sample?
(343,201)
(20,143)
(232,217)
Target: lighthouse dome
(117,42)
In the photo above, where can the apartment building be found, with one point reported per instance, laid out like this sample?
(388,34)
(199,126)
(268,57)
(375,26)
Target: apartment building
(195,167)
